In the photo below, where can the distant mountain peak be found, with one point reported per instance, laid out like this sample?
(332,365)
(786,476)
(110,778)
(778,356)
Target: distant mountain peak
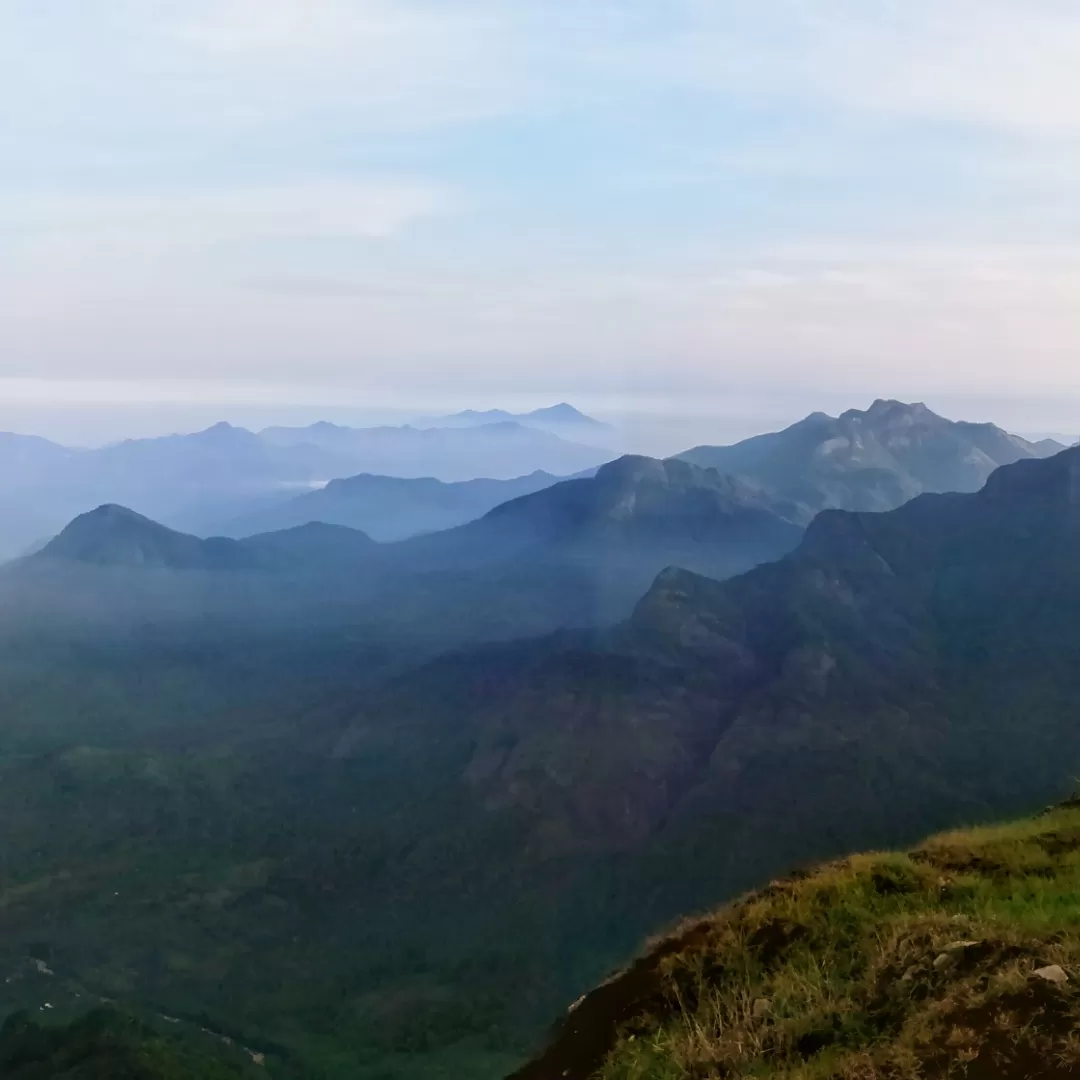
(224,433)
(224,428)
(633,466)
(484,415)
(111,515)
(872,459)
(320,530)
(562,413)
(645,499)
(884,409)
(114,535)
(562,418)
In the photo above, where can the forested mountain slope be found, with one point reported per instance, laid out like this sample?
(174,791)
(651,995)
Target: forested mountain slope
(578,553)
(283,817)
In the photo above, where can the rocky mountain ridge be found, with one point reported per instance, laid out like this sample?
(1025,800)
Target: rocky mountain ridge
(875,459)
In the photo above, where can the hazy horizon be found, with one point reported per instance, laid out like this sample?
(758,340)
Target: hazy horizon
(658,432)
(342,735)
(239,206)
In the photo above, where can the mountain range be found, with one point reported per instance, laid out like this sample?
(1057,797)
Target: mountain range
(872,460)
(875,459)
(501,451)
(195,482)
(908,636)
(897,673)
(349,812)
(237,482)
(562,420)
(390,508)
(575,554)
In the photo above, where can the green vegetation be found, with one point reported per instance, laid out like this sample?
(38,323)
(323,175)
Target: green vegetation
(178,842)
(109,1045)
(360,864)
(961,958)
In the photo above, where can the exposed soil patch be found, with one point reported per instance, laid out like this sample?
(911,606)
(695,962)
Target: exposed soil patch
(774,938)
(1059,843)
(1018,1037)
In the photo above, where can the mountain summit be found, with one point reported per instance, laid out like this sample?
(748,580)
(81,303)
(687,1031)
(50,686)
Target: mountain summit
(115,536)
(641,498)
(875,459)
(635,510)
(563,413)
(579,553)
(563,420)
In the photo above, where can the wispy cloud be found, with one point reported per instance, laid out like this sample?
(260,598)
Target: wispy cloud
(649,193)
(305,209)
(998,64)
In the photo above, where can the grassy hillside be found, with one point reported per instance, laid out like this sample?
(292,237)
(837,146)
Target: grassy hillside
(961,958)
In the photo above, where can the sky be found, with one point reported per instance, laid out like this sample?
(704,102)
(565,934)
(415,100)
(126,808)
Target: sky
(683,207)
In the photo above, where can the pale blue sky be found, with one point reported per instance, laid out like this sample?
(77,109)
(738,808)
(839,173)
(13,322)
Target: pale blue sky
(650,204)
